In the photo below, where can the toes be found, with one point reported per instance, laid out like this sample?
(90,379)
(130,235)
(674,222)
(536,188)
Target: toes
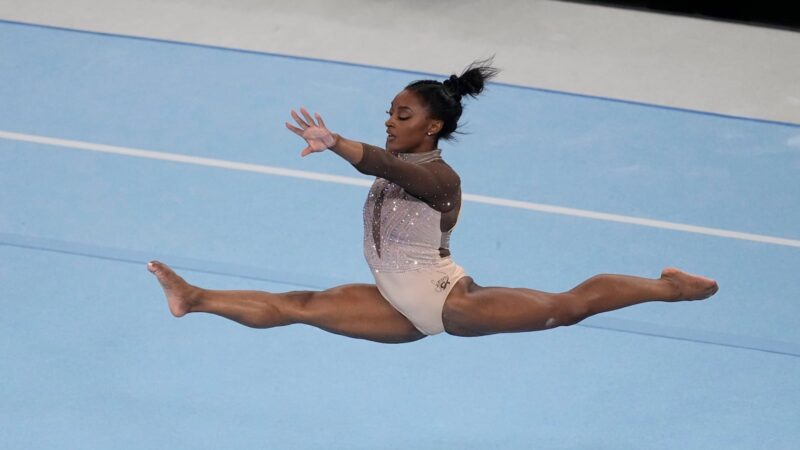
(157,267)
(691,285)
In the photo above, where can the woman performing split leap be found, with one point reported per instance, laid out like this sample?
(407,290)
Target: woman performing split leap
(409,214)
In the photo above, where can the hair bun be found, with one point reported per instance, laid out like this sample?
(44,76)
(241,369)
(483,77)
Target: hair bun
(443,98)
(472,81)
(454,86)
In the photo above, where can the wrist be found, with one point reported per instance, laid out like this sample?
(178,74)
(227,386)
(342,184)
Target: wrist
(332,141)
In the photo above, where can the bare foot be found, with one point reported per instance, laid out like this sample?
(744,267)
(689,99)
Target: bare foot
(688,286)
(179,293)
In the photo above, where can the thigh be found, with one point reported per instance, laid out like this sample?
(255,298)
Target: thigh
(359,311)
(473,310)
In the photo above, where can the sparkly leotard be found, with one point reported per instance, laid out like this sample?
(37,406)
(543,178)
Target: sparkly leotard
(409,214)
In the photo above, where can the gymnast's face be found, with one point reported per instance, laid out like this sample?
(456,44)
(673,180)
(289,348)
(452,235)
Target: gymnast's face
(409,128)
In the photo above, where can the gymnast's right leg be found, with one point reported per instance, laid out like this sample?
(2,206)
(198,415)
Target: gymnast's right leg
(354,310)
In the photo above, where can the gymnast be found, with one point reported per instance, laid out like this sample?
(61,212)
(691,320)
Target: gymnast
(409,214)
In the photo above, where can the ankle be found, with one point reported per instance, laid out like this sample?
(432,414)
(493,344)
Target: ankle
(672,288)
(194,297)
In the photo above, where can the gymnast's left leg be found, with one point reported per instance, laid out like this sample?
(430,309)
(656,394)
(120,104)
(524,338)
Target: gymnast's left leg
(472,310)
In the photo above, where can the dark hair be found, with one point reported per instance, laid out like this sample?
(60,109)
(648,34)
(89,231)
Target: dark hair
(444,99)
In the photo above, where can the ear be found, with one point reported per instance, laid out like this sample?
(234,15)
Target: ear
(435,127)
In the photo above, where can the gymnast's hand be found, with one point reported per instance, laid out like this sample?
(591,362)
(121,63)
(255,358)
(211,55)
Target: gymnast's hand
(318,137)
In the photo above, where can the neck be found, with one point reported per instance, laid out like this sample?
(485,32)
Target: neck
(424,148)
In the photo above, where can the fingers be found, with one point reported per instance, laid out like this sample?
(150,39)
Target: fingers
(314,132)
(294,130)
(319,120)
(307,121)
(307,116)
(300,121)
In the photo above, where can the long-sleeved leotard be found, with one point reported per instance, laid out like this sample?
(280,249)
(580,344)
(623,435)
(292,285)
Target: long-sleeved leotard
(409,215)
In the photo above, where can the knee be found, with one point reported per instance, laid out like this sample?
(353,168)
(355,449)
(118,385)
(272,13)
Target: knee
(301,306)
(570,309)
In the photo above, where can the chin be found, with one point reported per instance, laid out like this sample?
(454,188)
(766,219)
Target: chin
(392,145)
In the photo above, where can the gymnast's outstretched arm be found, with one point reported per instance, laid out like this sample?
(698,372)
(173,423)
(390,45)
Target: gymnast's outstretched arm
(436,184)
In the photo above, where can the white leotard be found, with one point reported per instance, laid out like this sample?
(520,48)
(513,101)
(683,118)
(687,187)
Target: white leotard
(404,244)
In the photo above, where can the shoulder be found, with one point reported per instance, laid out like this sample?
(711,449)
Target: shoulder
(446,184)
(443,171)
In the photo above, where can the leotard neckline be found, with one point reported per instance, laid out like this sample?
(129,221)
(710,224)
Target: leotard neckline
(420,158)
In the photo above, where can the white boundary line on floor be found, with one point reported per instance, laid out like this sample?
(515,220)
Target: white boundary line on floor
(279,171)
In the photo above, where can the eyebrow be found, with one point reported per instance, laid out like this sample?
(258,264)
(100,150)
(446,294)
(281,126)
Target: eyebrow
(402,107)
